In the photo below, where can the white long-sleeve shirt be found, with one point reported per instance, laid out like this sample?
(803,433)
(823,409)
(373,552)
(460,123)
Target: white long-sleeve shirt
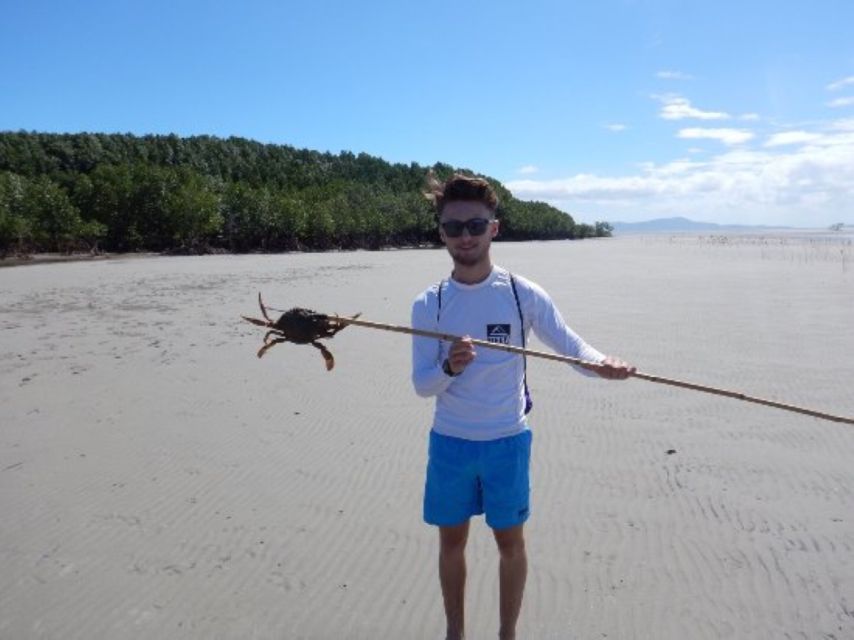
(487,400)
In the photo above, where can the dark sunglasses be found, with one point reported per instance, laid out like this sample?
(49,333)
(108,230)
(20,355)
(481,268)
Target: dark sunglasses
(475,226)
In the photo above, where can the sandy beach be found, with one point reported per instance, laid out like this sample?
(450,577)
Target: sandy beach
(157,480)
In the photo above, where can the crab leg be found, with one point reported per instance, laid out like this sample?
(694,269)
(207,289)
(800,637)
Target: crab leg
(273,332)
(268,345)
(263,308)
(260,323)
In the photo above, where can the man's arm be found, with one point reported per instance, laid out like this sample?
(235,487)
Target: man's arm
(552,329)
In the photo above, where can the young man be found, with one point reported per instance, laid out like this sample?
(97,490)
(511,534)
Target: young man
(480,442)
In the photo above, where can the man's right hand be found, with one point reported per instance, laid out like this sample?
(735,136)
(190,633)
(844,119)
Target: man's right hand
(461,354)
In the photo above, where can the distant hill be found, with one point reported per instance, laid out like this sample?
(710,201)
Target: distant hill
(679,224)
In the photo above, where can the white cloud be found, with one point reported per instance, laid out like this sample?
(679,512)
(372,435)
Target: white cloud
(749,116)
(679,108)
(727,136)
(616,127)
(839,84)
(847,101)
(808,185)
(791,137)
(527,169)
(846,124)
(673,75)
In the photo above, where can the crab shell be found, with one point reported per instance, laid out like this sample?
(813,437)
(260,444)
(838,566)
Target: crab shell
(303,326)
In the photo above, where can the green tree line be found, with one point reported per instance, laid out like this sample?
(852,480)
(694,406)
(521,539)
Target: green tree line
(120,192)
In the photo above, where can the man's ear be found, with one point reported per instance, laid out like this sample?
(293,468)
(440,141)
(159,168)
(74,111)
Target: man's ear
(438,220)
(495,228)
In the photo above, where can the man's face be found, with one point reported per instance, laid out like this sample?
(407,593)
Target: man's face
(468,250)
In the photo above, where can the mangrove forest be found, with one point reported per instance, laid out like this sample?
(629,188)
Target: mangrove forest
(164,193)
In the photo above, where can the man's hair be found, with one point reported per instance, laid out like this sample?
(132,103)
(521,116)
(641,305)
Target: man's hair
(460,187)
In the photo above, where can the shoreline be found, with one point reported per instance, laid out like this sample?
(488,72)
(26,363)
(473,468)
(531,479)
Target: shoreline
(56,258)
(783,236)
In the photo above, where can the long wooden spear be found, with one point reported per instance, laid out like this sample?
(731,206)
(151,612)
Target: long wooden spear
(591,365)
(341,321)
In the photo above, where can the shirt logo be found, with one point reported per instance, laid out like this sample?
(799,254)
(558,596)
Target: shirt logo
(498,333)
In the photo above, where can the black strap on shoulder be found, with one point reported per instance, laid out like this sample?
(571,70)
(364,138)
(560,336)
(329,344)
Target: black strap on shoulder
(528,402)
(439,298)
(518,307)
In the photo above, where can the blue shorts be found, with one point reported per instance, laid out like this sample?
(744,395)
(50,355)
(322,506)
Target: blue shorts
(466,478)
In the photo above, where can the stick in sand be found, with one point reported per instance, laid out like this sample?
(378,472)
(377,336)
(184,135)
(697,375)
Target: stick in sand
(340,320)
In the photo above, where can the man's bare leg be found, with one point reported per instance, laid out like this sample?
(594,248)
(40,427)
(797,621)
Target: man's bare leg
(452,576)
(512,572)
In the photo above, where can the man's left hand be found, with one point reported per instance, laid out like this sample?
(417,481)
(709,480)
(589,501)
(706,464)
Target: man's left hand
(614,369)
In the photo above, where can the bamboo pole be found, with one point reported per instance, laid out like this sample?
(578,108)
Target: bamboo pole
(592,365)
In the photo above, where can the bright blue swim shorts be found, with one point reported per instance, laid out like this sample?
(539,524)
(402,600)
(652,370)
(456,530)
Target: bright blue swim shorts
(467,477)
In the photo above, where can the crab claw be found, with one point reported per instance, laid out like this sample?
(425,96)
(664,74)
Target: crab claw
(327,355)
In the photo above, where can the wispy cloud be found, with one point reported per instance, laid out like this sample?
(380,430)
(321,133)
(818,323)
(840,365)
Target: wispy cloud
(839,84)
(799,176)
(616,127)
(846,124)
(673,75)
(791,137)
(727,136)
(528,169)
(678,108)
(846,101)
(782,184)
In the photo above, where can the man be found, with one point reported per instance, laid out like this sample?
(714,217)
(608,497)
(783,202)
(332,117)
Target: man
(480,440)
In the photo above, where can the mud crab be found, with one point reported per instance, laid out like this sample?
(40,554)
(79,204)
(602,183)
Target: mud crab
(300,326)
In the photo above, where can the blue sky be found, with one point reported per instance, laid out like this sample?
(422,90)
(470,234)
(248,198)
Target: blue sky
(732,112)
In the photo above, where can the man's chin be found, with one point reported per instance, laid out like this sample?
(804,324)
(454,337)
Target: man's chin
(467,260)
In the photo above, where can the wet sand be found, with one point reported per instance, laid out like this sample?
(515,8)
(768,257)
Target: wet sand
(158,480)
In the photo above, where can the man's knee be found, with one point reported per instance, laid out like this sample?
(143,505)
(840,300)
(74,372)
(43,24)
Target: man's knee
(453,539)
(511,542)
